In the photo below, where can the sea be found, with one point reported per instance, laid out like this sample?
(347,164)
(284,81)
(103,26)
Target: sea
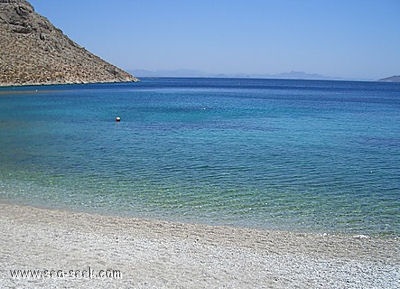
(298,155)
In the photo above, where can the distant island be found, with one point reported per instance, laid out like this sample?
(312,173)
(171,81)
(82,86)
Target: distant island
(198,73)
(33,52)
(395,78)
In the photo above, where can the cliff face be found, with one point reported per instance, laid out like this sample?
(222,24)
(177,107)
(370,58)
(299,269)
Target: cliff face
(33,51)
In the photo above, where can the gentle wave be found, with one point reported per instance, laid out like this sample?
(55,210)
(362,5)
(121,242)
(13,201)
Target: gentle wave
(298,155)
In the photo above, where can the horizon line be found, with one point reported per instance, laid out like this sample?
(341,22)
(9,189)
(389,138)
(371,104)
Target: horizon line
(193,73)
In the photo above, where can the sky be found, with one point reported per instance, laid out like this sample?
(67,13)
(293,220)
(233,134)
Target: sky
(348,39)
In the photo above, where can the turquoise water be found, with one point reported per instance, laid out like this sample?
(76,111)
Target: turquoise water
(278,154)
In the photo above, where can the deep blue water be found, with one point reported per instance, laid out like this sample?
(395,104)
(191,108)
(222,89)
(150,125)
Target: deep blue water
(278,154)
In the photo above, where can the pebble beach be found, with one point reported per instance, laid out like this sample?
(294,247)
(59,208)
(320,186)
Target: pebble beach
(159,254)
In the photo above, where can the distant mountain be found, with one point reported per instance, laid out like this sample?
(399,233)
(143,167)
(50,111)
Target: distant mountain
(395,78)
(33,51)
(197,73)
(301,75)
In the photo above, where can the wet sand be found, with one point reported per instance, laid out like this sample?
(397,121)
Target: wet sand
(158,254)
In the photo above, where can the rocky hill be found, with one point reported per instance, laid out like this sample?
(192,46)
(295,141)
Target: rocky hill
(33,51)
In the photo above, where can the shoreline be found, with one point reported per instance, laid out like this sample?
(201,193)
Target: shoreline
(162,254)
(44,84)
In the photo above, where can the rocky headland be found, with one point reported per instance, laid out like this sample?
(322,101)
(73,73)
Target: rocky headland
(34,51)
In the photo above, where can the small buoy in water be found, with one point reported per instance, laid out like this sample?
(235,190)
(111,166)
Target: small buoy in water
(117,119)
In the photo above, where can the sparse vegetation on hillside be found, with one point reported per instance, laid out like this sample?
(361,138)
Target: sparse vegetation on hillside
(33,51)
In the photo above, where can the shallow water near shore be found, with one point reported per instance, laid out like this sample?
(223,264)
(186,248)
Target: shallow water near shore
(276,154)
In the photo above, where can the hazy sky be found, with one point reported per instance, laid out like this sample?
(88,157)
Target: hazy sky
(349,38)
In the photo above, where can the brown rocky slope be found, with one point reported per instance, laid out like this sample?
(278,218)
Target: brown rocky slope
(33,51)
